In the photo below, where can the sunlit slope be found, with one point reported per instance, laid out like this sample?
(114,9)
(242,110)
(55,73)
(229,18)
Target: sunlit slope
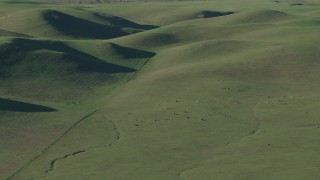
(247,25)
(175,11)
(230,97)
(4,33)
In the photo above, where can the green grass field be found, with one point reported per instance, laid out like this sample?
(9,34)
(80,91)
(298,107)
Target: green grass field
(163,90)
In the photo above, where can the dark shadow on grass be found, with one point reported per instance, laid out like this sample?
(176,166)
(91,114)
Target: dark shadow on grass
(80,28)
(123,23)
(15,52)
(25,2)
(127,52)
(17,106)
(297,4)
(211,14)
(159,39)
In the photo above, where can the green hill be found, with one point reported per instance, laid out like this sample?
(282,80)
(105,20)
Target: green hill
(49,23)
(27,67)
(211,90)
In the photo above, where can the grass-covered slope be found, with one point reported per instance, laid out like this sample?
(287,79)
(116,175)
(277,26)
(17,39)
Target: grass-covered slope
(223,90)
(4,33)
(27,67)
(51,23)
(49,85)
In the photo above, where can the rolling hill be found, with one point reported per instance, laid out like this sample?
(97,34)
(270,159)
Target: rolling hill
(50,23)
(160,90)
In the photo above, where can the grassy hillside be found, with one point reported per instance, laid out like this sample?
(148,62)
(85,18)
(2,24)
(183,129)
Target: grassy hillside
(51,23)
(160,90)
(28,66)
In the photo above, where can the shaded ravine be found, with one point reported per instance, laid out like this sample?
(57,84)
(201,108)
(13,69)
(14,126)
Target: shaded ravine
(19,106)
(52,144)
(54,162)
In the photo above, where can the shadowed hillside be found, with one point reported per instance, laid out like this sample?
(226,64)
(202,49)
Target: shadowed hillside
(30,51)
(11,105)
(57,24)
(212,14)
(129,53)
(4,33)
(80,28)
(42,69)
(122,23)
(114,53)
